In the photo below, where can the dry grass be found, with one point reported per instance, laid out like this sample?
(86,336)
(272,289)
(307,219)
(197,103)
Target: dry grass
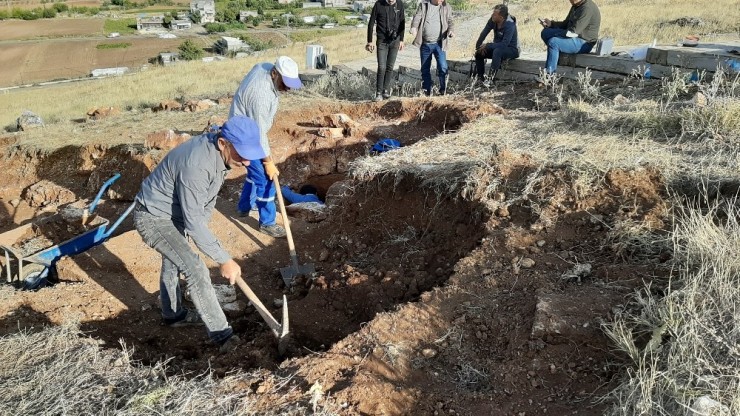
(684,345)
(60,371)
(68,101)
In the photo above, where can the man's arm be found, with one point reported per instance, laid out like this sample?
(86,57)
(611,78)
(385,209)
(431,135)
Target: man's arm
(564,23)
(450,22)
(402,22)
(486,30)
(416,21)
(581,19)
(192,187)
(371,23)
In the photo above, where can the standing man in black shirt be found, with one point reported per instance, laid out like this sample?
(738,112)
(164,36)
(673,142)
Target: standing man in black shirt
(391,23)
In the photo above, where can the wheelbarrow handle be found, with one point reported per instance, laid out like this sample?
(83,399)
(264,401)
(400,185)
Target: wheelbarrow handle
(102,190)
(118,222)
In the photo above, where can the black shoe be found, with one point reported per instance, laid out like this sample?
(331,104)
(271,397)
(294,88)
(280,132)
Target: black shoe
(191,319)
(274,230)
(229,345)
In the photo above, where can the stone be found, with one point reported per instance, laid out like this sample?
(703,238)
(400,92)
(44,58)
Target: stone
(324,255)
(194,106)
(225,100)
(428,352)
(45,193)
(277,302)
(215,121)
(102,112)
(226,296)
(15,202)
(527,263)
(577,272)
(340,120)
(621,100)
(167,105)
(308,211)
(165,139)
(699,99)
(333,133)
(540,243)
(28,120)
(502,211)
(707,406)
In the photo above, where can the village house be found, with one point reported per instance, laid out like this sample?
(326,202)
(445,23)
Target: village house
(311,5)
(206,9)
(155,22)
(244,14)
(180,24)
(334,3)
(183,15)
(309,19)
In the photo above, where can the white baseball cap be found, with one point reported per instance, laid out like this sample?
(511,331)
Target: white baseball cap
(288,70)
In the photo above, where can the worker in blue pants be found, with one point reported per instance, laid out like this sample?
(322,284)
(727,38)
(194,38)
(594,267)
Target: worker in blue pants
(264,203)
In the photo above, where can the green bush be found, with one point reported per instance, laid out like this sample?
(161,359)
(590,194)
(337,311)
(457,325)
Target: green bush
(4,15)
(60,7)
(49,13)
(189,51)
(120,45)
(215,27)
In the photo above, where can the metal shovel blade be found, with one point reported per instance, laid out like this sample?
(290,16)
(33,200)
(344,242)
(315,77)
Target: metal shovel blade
(284,337)
(289,273)
(281,330)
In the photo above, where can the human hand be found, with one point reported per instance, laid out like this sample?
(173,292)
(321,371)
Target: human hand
(546,22)
(230,270)
(270,169)
(400,46)
(450,34)
(369,47)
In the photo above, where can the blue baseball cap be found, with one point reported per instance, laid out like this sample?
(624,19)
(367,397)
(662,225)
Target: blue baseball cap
(244,134)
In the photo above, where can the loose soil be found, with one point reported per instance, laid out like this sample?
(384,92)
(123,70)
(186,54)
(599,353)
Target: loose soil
(421,303)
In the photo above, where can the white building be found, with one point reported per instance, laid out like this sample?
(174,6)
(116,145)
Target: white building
(206,9)
(180,24)
(155,22)
(309,19)
(360,5)
(243,14)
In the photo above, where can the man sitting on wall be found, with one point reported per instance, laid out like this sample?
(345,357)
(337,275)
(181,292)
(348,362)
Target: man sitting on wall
(505,43)
(578,33)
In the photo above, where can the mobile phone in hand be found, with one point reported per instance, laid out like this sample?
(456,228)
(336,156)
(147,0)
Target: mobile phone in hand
(542,21)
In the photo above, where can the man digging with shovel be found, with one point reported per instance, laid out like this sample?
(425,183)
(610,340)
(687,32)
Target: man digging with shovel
(175,202)
(257,97)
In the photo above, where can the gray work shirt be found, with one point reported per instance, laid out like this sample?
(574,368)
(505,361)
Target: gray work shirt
(432,25)
(257,99)
(183,188)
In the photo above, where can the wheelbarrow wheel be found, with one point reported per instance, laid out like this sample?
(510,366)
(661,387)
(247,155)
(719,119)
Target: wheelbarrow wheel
(35,276)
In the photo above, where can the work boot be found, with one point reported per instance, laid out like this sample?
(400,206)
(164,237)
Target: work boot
(274,230)
(378,97)
(191,319)
(229,345)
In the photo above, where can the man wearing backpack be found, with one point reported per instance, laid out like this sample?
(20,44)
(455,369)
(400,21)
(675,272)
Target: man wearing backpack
(389,17)
(431,27)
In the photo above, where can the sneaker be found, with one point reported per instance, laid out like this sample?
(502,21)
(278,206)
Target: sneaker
(378,97)
(229,345)
(274,230)
(192,318)
(246,213)
(386,96)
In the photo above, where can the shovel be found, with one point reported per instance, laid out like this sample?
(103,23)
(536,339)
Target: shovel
(281,331)
(290,272)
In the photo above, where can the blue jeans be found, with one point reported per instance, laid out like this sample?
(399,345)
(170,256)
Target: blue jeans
(258,191)
(557,42)
(427,51)
(168,238)
(497,54)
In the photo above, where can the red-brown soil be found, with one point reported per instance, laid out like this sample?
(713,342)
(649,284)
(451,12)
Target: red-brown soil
(422,304)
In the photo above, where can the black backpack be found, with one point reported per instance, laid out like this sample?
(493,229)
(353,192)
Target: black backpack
(322,61)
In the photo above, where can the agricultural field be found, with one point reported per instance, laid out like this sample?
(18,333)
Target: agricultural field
(50,28)
(62,58)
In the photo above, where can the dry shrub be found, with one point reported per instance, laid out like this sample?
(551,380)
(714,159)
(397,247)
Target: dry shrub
(685,345)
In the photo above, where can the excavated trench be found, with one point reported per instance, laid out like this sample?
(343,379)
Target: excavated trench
(383,243)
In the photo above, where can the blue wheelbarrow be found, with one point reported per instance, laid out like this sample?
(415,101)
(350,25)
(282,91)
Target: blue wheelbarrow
(30,263)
